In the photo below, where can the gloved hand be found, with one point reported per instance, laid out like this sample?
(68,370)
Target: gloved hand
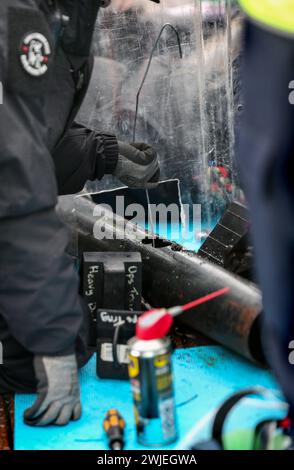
(58,391)
(137,166)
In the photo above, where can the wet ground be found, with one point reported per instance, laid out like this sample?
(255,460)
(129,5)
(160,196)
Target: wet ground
(6,423)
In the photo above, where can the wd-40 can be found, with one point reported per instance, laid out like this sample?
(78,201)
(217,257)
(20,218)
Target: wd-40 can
(150,372)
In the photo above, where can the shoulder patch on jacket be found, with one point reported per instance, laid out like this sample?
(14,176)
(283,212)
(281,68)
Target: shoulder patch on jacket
(30,51)
(35,53)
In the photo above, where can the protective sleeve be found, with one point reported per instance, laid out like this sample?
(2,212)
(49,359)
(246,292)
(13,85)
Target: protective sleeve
(266,149)
(38,285)
(83,155)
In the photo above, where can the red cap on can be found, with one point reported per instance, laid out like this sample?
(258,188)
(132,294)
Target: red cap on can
(154,325)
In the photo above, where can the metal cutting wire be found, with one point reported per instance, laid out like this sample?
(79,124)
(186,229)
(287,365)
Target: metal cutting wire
(166,25)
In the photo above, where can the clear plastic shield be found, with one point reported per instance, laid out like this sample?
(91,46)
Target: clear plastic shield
(188,107)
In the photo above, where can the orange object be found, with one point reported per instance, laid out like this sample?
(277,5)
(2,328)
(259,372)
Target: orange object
(114,426)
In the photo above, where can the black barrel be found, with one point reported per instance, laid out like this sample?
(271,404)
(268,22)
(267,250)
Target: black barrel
(173,276)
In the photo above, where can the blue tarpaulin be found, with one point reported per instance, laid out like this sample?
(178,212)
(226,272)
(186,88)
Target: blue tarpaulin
(203,376)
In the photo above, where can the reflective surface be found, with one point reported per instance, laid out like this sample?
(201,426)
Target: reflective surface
(188,107)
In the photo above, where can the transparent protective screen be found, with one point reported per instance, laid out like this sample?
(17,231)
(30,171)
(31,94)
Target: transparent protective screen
(188,108)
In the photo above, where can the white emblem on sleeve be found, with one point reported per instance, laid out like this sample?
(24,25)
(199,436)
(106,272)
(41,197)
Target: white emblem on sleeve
(35,54)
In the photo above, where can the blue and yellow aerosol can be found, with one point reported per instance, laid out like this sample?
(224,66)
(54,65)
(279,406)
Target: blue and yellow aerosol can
(150,372)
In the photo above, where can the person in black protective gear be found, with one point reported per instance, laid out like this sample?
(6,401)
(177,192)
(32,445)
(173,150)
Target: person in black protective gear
(45,67)
(265,154)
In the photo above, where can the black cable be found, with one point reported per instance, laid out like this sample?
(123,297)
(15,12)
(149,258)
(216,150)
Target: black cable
(227,406)
(116,362)
(148,67)
(138,100)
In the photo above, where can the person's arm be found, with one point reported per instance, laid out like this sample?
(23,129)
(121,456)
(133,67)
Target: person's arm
(38,285)
(83,155)
(87,155)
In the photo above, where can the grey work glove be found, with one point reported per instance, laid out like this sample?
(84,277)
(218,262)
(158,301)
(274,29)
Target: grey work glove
(137,166)
(58,391)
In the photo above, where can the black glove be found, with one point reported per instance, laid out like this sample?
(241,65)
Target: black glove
(137,166)
(58,391)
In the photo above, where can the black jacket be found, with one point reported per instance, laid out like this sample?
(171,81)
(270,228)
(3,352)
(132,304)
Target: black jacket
(39,305)
(79,154)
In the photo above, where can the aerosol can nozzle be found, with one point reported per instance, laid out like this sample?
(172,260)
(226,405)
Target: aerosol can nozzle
(156,323)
